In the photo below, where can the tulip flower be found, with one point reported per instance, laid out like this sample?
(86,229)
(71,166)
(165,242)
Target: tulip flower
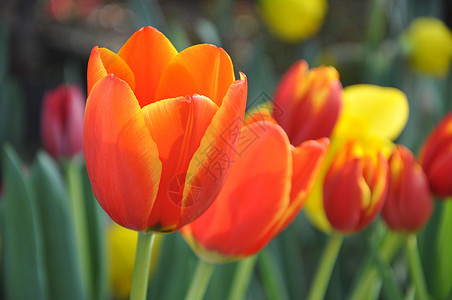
(354,188)
(409,203)
(62,121)
(160,129)
(293,20)
(436,157)
(121,243)
(372,116)
(429,43)
(308,102)
(267,187)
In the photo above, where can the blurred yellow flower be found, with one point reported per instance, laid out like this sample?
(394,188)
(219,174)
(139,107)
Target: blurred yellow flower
(293,20)
(429,45)
(121,246)
(373,116)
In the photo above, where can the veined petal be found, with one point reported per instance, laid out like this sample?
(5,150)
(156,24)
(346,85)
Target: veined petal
(382,111)
(211,162)
(103,62)
(201,69)
(147,52)
(177,126)
(253,198)
(121,157)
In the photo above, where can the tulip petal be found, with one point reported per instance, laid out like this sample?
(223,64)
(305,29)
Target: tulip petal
(308,159)
(380,111)
(147,52)
(253,198)
(211,163)
(103,62)
(439,172)
(201,69)
(177,126)
(343,192)
(121,157)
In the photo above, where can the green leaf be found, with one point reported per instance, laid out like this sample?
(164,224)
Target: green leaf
(443,282)
(96,238)
(63,273)
(25,276)
(390,286)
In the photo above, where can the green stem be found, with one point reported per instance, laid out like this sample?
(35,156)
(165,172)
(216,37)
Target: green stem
(200,280)
(142,265)
(271,276)
(328,260)
(369,280)
(242,278)
(79,221)
(417,274)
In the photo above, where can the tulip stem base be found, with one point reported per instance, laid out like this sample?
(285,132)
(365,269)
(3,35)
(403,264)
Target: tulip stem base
(242,278)
(200,280)
(142,265)
(327,262)
(417,274)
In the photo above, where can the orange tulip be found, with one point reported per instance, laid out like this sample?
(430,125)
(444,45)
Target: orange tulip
(308,102)
(354,188)
(436,158)
(409,203)
(268,185)
(158,126)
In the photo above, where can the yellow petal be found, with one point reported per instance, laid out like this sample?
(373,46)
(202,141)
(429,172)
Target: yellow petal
(371,110)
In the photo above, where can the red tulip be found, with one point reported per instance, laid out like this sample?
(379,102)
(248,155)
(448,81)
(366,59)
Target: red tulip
(159,129)
(308,102)
(354,188)
(436,158)
(409,203)
(267,187)
(62,121)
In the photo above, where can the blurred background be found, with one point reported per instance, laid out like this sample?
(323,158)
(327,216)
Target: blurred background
(46,43)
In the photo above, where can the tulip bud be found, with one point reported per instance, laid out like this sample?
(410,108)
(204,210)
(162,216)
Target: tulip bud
(409,203)
(293,20)
(308,101)
(429,43)
(436,158)
(354,188)
(62,121)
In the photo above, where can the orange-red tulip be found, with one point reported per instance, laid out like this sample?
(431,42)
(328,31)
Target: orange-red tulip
(354,188)
(158,126)
(62,121)
(409,203)
(308,102)
(436,158)
(267,187)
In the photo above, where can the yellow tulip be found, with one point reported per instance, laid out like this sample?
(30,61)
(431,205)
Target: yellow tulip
(121,246)
(429,43)
(293,20)
(373,116)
